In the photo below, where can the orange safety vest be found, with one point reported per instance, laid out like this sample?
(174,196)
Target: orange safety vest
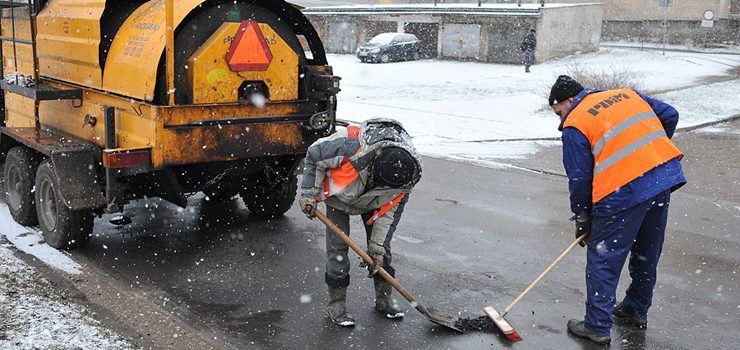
(338,179)
(627,138)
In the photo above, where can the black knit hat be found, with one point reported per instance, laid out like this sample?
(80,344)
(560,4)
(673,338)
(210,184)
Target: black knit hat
(564,88)
(394,167)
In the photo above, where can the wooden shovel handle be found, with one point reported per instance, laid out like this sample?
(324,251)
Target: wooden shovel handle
(337,231)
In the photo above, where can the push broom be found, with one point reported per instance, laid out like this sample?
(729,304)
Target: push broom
(499,319)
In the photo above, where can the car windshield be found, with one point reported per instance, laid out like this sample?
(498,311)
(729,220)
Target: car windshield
(385,38)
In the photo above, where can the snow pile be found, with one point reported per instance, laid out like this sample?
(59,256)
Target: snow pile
(20,79)
(31,241)
(35,315)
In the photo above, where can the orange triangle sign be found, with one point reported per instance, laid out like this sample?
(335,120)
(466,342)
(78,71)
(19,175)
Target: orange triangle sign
(249,50)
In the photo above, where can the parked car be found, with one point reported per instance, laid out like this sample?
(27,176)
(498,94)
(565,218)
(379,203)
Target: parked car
(389,47)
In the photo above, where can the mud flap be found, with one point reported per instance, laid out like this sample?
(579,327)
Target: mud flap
(168,188)
(78,182)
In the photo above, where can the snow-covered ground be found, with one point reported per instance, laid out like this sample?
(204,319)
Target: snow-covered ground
(35,315)
(471,112)
(477,112)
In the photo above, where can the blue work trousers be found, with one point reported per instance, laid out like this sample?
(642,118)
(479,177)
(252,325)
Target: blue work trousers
(639,232)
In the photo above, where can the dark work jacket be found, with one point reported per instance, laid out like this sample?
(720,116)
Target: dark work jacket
(529,43)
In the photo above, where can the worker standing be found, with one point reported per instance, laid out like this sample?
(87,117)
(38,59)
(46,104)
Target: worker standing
(367,170)
(528,45)
(622,168)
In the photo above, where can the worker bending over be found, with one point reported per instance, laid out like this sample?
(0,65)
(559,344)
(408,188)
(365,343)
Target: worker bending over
(367,171)
(622,168)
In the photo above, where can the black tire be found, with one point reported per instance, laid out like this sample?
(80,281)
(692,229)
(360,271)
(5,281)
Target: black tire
(385,58)
(20,176)
(274,202)
(63,228)
(416,55)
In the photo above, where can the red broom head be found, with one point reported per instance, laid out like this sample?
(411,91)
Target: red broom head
(514,336)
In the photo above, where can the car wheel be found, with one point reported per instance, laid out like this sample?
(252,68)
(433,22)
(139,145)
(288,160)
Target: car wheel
(385,58)
(416,55)
(20,175)
(63,228)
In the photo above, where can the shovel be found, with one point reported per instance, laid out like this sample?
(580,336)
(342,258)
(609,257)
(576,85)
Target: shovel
(434,315)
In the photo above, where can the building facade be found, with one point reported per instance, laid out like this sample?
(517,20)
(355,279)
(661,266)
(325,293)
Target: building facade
(677,22)
(467,32)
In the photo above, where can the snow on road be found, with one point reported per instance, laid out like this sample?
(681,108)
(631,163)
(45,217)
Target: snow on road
(468,111)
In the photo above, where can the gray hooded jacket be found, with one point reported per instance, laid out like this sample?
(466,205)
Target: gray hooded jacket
(363,194)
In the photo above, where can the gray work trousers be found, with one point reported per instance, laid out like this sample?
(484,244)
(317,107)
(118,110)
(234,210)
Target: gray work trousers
(337,252)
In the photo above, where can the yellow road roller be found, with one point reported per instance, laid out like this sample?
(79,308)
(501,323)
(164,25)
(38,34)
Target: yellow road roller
(110,101)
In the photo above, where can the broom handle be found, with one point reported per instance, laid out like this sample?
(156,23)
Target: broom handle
(337,231)
(552,266)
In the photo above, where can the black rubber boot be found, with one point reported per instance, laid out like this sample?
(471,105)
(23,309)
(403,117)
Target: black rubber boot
(383,301)
(579,328)
(633,319)
(336,309)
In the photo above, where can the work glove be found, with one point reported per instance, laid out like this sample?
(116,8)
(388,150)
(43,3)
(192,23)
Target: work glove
(375,267)
(583,227)
(308,205)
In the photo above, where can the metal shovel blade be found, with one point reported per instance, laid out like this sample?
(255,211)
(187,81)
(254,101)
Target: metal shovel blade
(439,317)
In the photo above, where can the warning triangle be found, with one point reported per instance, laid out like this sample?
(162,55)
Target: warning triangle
(249,50)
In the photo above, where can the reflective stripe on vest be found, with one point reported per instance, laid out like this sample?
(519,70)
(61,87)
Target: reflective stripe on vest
(627,138)
(384,209)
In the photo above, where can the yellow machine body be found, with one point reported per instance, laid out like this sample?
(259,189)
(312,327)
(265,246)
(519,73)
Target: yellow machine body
(168,131)
(106,61)
(68,40)
(131,68)
(213,81)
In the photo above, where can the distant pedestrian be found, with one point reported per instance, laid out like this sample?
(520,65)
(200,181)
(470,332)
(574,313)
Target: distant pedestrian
(528,46)
(622,167)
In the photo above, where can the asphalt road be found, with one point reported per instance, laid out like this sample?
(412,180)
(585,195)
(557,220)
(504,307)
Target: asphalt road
(212,276)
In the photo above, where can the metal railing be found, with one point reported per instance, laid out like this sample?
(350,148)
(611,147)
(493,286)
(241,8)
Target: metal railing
(12,5)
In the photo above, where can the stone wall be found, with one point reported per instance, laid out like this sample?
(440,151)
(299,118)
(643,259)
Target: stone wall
(690,33)
(565,30)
